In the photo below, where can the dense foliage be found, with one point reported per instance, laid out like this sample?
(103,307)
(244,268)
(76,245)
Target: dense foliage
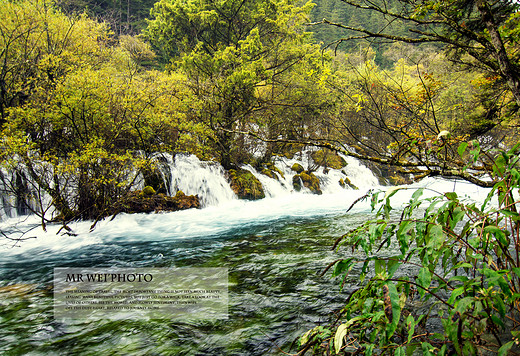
(84,111)
(441,276)
(86,108)
(248,63)
(81,115)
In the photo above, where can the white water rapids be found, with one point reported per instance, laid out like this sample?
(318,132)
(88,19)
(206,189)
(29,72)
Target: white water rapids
(221,210)
(274,250)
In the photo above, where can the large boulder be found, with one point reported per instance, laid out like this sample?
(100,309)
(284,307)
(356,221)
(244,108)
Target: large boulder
(245,184)
(153,178)
(298,168)
(147,201)
(270,170)
(309,180)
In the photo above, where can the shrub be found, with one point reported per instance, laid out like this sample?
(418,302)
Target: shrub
(452,287)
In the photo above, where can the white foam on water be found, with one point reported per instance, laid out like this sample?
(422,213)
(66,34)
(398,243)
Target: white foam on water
(222,211)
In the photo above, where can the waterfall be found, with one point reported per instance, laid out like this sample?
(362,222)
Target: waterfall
(19,195)
(202,178)
(206,179)
(272,187)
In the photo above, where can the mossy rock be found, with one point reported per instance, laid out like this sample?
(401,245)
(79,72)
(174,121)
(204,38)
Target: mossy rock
(182,201)
(344,182)
(326,158)
(309,180)
(272,171)
(273,168)
(153,178)
(298,168)
(277,170)
(148,191)
(269,173)
(245,184)
(139,202)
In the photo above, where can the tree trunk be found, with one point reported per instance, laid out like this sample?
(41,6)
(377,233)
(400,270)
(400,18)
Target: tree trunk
(506,68)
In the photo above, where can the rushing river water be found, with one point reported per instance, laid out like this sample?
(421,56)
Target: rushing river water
(275,291)
(274,250)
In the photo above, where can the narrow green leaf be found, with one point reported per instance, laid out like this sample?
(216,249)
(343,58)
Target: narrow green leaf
(410,323)
(305,337)
(475,153)
(400,351)
(462,148)
(379,266)
(392,266)
(427,349)
(502,283)
(459,279)
(457,216)
(513,215)
(342,266)
(464,265)
(417,194)
(498,233)
(437,237)
(451,195)
(469,349)
(341,332)
(443,350)
(424,279)
(496,279)
(410,349)
(504,350)
(396,309)
(497,321)
(402,235)
(369,349)
(517,271)
(463,304)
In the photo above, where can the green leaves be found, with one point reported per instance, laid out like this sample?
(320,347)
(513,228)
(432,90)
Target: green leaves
(392,308)
(424,279)
(504,349)
(456,265)
(498,234)
(462,148)
(343,266)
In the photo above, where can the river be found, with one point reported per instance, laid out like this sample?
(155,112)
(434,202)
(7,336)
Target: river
(274,250)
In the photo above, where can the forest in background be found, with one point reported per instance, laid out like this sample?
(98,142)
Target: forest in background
(86,102)
(91,93)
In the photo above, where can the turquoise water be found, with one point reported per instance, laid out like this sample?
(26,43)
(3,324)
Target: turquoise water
(274,250)
(275,291)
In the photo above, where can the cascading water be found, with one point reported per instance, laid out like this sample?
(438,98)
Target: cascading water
(19,196)
(194,177)
(274,249)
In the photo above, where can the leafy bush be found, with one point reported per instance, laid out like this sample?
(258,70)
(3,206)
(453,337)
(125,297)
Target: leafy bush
(442,276)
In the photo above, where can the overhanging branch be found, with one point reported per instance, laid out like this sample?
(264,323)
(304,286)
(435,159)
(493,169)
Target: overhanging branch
(433,169)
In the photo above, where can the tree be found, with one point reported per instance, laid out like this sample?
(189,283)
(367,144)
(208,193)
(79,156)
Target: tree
(39,47)
(479,33)
(237,56)
(86,143)
(447,281)
(410,116)
(90,125)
